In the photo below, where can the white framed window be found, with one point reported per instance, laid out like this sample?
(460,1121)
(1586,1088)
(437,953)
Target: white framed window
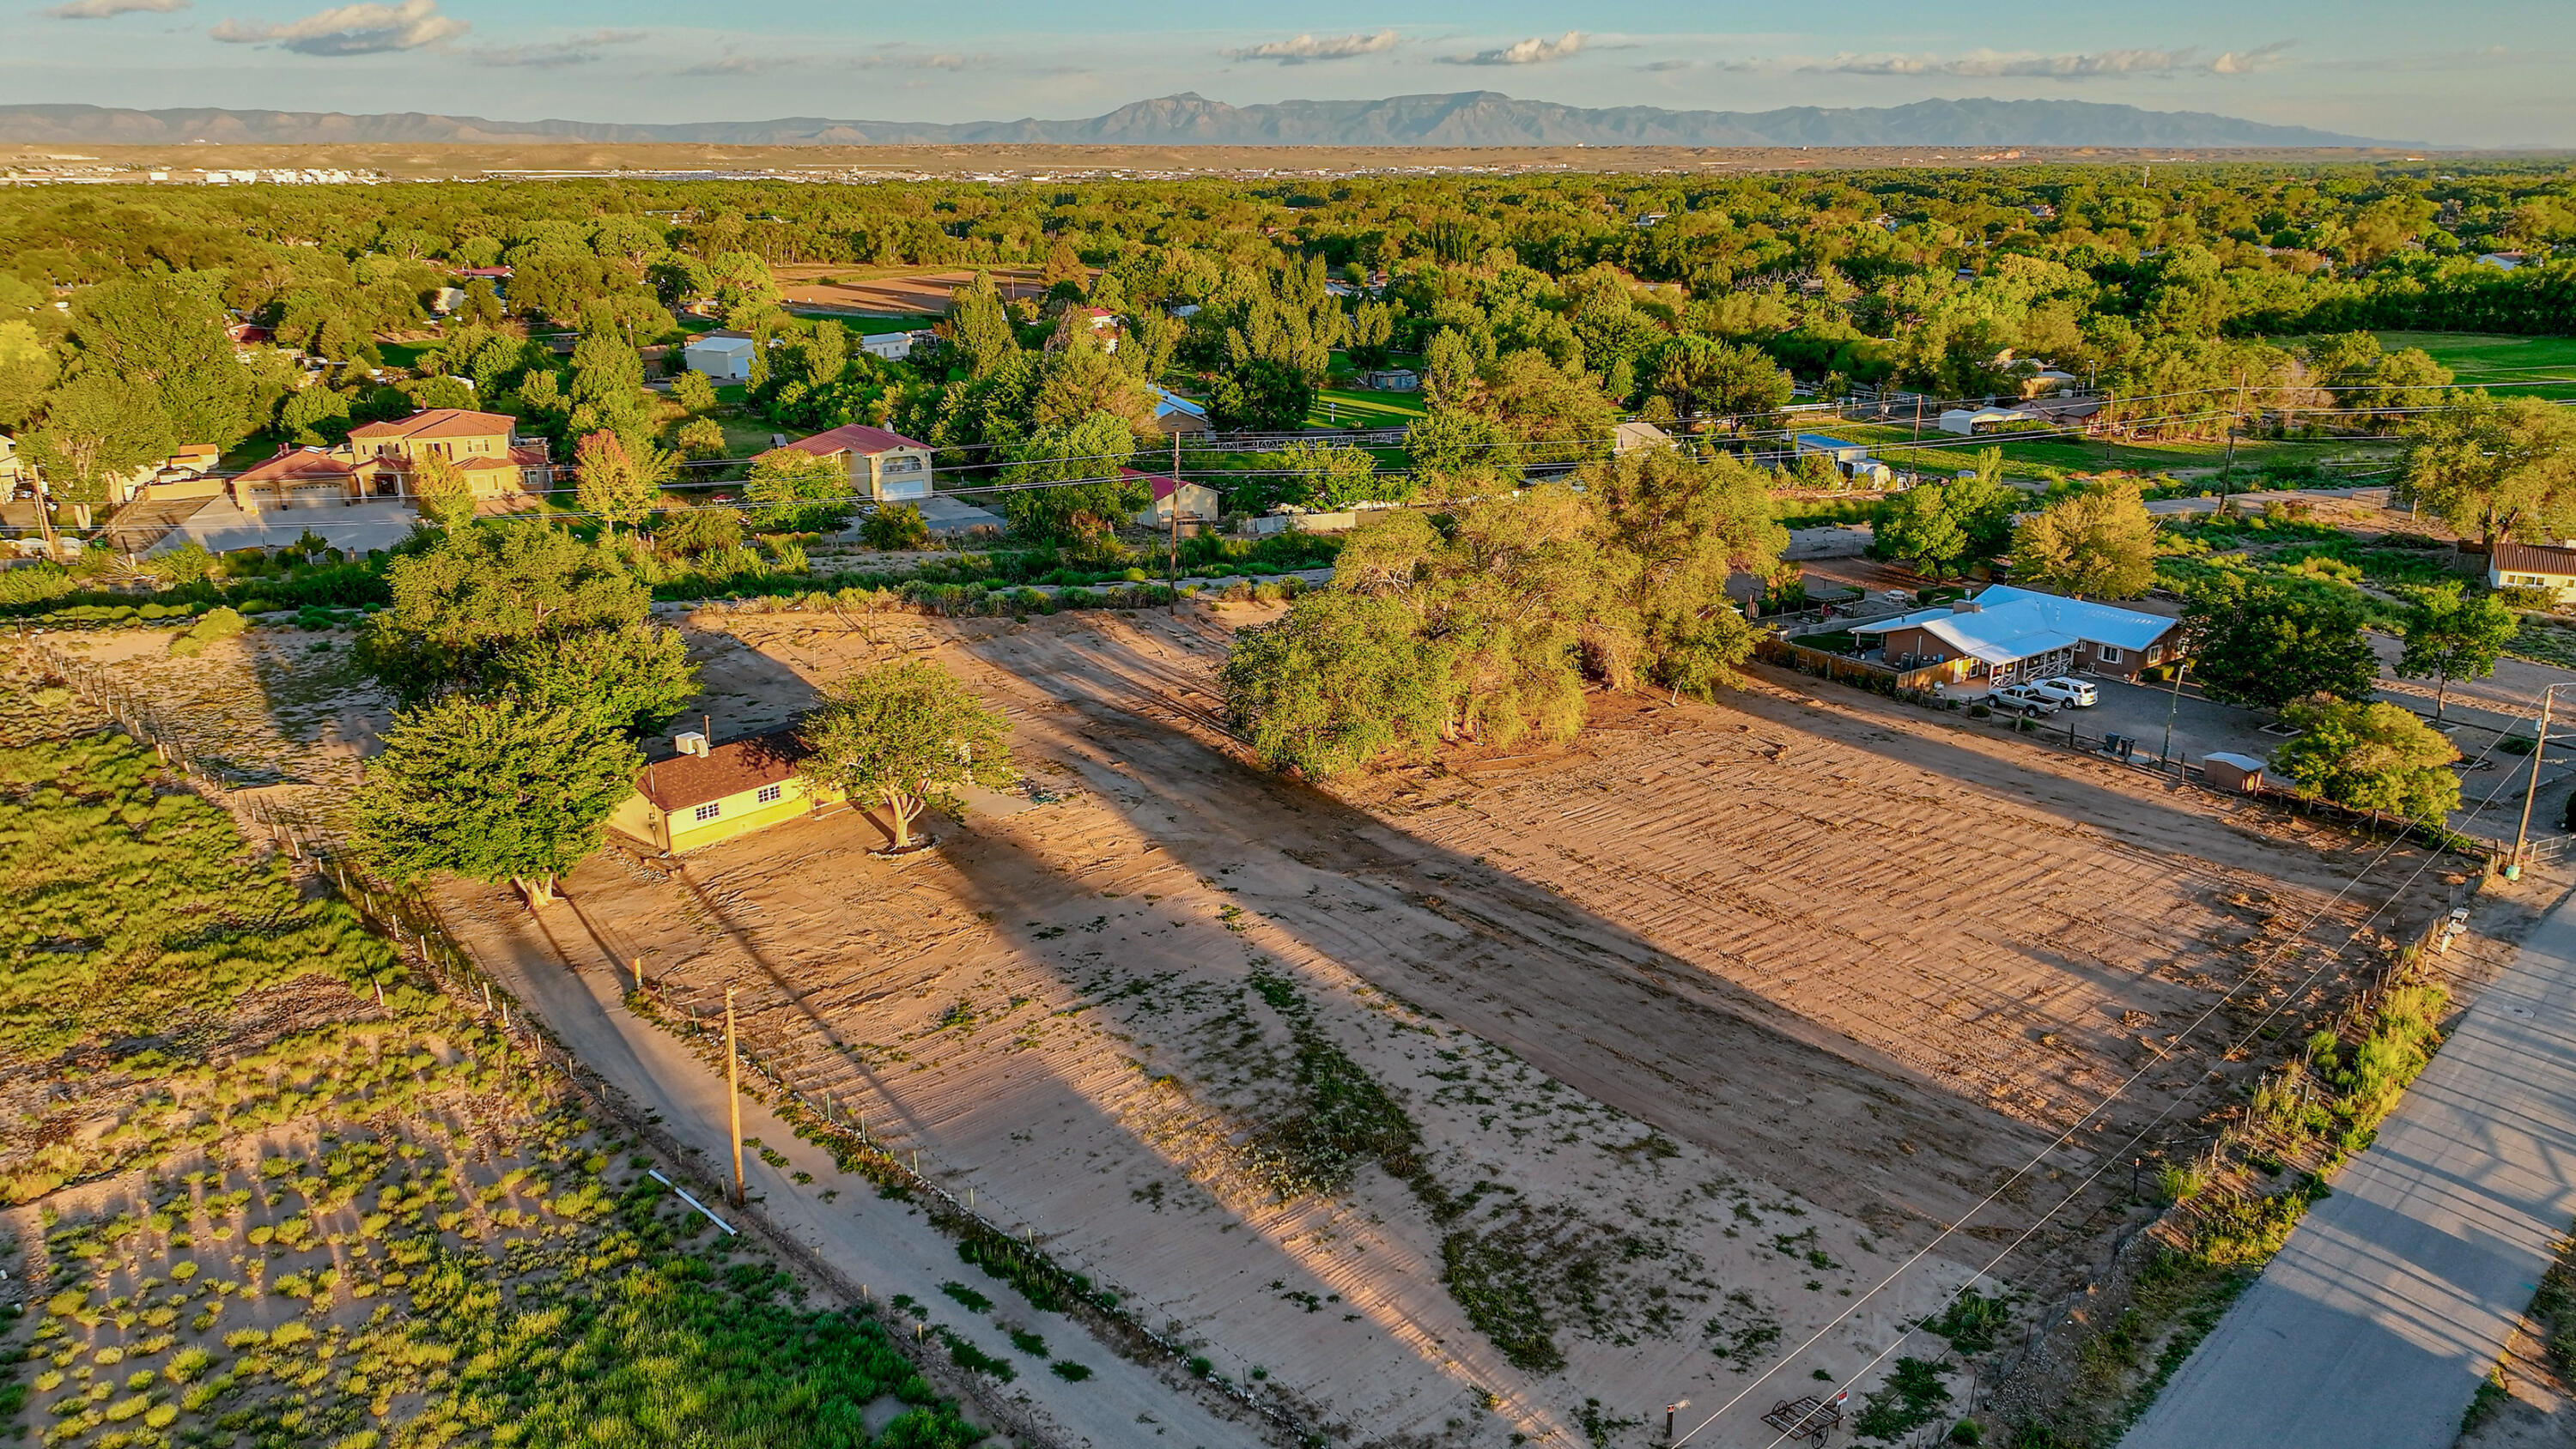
(710,811)
(2107,654)
(769,794)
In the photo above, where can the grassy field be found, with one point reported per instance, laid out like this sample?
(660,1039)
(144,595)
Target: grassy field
(1341,406)
(2481,359)
(265,1187)
(1890,444)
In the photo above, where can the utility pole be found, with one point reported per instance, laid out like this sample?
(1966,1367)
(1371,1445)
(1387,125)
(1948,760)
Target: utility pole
(1669,1410)
(1172,565)
(2531,791)
(733,1095)
(2164,756)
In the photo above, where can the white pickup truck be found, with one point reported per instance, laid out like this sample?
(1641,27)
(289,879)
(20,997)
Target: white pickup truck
(2022,699)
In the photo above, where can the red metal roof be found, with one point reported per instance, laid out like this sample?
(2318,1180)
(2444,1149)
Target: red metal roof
(857,438)
(2534,558)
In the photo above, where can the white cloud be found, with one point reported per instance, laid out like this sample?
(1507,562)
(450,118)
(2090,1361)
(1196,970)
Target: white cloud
(905,60)
(362,29)
(1990,64)
(102,9)
(1307,48)
(554,54)
(740,65)
(1537,50)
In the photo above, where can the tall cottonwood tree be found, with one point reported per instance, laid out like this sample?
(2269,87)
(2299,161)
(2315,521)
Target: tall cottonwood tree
(493,790)
(908,734)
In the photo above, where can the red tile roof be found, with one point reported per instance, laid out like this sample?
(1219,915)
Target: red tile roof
(856,438)
(440,423)
(296,465)
(678,782)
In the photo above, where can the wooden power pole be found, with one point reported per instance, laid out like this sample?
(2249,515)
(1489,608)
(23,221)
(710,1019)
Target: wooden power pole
(1172,565)
(733,1095)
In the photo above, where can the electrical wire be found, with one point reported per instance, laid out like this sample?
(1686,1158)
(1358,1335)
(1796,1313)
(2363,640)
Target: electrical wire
(2110,1160)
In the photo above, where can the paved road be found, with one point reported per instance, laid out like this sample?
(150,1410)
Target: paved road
(2373,1327)
(880,1243)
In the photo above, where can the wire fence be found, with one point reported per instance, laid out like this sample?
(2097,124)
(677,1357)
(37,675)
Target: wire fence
(412,921)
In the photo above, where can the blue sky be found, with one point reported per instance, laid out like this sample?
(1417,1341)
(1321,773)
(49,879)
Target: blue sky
(2472,72)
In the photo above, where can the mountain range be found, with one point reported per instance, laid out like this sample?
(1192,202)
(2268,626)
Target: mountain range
(1469,118)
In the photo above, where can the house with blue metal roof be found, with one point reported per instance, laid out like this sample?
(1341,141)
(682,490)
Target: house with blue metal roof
(2005,635)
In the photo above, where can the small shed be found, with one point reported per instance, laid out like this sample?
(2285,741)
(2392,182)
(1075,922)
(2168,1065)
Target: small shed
(2226,771)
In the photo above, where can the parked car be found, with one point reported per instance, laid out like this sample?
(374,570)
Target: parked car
(2023,699)
(2073,693)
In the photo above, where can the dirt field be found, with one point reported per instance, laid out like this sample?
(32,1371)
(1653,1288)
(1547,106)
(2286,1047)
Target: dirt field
(862,289)
(1662,1049)
(1820,954)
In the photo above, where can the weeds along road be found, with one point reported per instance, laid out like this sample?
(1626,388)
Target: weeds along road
(883,1244)
(2394,1297)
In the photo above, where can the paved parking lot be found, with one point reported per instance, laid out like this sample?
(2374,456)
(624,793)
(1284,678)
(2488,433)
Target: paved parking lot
(2492,796)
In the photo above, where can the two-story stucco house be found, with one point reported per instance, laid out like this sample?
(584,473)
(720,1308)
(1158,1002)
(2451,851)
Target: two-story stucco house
(883,466)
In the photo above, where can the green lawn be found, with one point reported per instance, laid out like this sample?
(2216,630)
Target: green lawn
(1889,443)
(2487,359)
(1341,406)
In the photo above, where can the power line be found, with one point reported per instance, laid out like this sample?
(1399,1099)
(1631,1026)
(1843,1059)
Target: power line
(2067,1137)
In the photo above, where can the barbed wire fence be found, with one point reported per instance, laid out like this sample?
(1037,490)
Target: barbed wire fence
(421,937)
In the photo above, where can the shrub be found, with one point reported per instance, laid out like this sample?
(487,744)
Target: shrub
(896,527)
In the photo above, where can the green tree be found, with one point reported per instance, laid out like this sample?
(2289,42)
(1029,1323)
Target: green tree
(441,491)
(96,428)
(1668,532)
(493,790)
(1918,527)
(615,485)
(474,592)
(2370,756)
(631,677)
(2452,636)
(796,490)
(315,415)
(2258,642)
(1087,498)
(165,336)
(1339,680)
(1330,475)
(1261,394)
(693,392)
(909,734)
(978,329)
(2098,544)
(700,439)
(2497,469)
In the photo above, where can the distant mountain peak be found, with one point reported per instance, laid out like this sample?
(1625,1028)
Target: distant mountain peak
(1462,118)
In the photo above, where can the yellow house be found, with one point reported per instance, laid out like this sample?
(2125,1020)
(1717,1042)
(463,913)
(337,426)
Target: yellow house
(704,792)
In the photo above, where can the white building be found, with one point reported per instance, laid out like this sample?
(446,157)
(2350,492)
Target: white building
(725,356)
(892,346)
(2533,566)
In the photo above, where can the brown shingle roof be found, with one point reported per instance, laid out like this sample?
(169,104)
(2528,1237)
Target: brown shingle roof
(2534,558)
(439,423)
(677,782)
